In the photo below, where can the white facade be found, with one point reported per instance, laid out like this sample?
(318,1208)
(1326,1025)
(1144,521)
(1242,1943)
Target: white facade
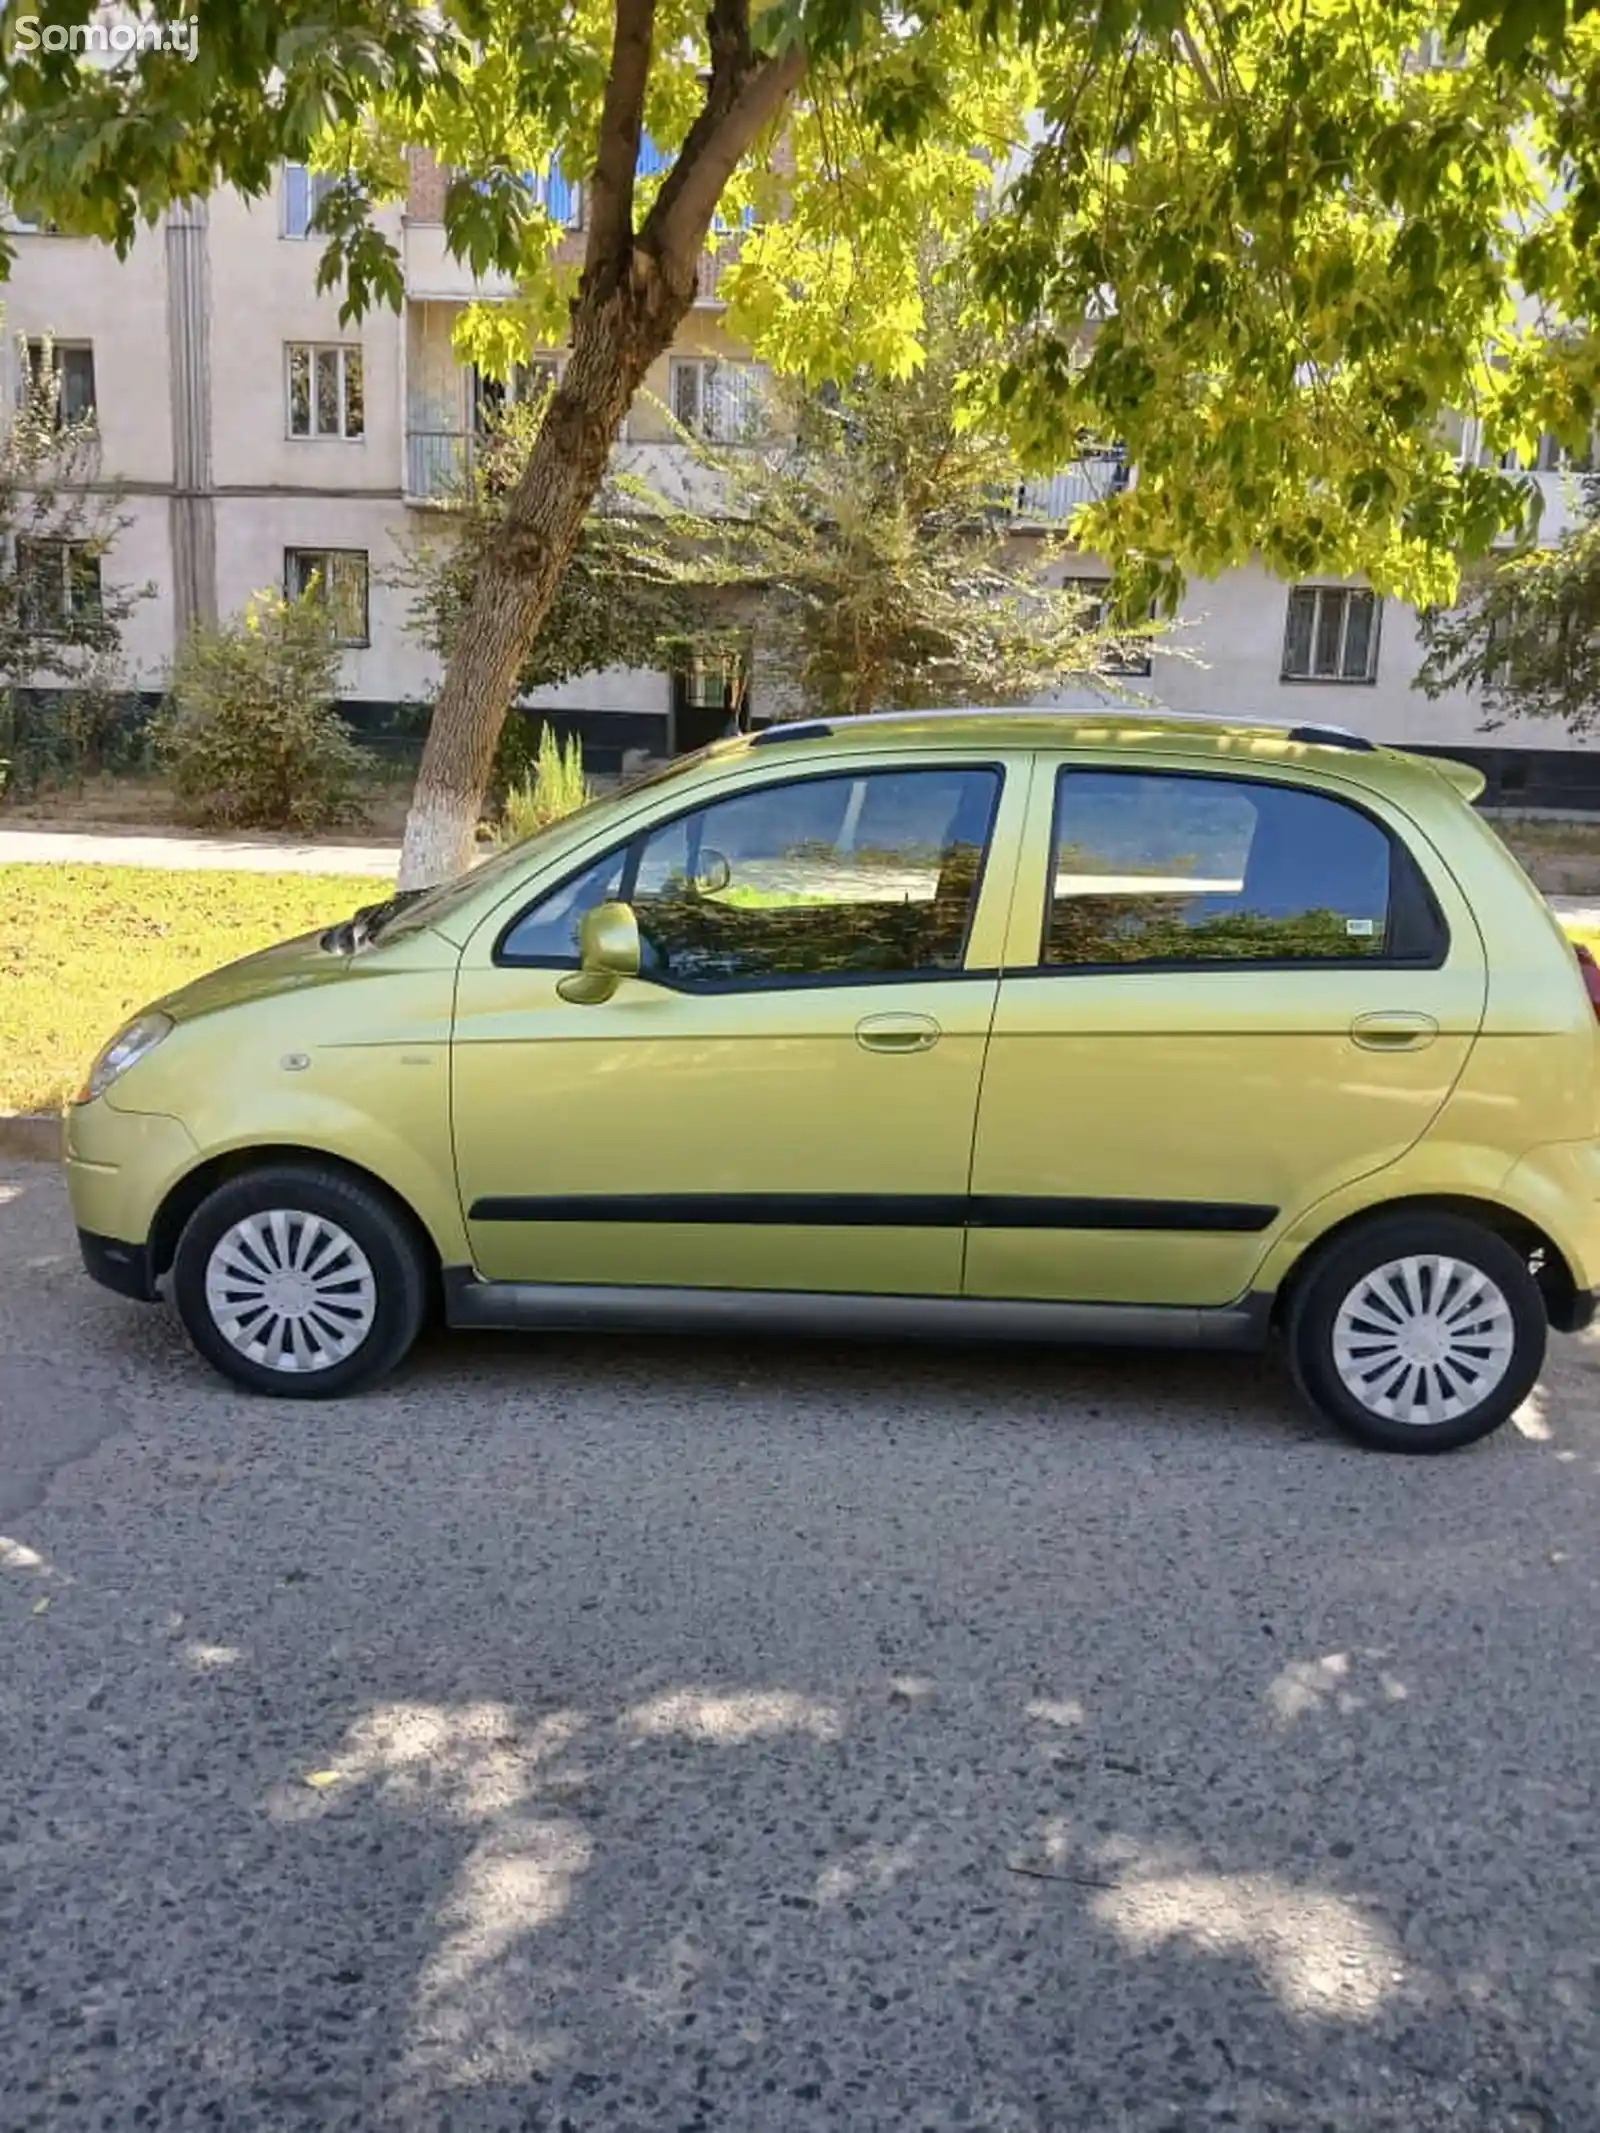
(191,337)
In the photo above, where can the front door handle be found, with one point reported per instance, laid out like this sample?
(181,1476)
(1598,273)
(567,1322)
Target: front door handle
(897,1033)
(1395,1030)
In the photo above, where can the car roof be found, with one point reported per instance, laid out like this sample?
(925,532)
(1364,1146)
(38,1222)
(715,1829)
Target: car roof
(1118,729)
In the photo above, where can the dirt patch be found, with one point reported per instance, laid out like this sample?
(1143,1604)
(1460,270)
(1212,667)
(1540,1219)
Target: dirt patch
(31,1136)
(146,804)
(1563,858)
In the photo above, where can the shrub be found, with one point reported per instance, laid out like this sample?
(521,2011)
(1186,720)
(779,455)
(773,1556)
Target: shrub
(251,736)
(516,754)
(556,787)
(57,739)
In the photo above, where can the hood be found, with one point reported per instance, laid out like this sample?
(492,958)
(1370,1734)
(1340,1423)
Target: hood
(289,966)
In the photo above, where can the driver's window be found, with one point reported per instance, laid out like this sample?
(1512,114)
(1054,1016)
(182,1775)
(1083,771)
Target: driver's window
(838,878)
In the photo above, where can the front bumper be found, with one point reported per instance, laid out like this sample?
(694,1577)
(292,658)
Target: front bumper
(121,1165)
(119,1266)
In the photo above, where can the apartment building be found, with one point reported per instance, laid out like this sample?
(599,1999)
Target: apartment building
(259,442)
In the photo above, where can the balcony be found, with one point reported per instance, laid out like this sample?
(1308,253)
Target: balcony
(438,464)
(1053,498)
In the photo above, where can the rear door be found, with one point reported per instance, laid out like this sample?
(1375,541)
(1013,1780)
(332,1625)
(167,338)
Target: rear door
(1225,995)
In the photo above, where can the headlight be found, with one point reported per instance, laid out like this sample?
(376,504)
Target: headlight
(142,1035)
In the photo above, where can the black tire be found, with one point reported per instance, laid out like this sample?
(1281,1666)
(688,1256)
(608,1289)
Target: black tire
(397,1300)
(1335,1277)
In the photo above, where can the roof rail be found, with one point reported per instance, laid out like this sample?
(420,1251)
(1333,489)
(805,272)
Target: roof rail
(801,729)
(1333,737)
(816,729)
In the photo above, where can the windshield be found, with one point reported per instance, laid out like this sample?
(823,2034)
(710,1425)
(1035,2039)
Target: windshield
(428,906)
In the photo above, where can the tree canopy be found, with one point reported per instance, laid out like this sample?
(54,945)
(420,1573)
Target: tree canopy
(1525,632)
(865,551)
(1271,252)
(876,551)
(1294,245)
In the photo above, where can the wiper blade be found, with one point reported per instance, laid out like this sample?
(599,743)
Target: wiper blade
(371,919)
(367,923)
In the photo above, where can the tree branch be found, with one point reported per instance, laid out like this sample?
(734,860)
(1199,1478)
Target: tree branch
(1191,47)
(621,124)
(746,92)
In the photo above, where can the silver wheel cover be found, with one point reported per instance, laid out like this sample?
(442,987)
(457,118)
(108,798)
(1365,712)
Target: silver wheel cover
(291,1290)
(1423,1340)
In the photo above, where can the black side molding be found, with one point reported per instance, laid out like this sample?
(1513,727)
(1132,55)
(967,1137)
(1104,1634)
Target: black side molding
(1024,1211)
(843,1210)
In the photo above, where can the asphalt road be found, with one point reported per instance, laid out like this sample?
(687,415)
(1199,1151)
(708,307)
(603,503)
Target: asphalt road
(628,1735)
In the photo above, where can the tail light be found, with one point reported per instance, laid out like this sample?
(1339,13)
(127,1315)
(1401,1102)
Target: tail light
(1591,976)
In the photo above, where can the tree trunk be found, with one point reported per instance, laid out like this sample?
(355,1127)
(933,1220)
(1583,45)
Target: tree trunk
(635,292)
(611,351)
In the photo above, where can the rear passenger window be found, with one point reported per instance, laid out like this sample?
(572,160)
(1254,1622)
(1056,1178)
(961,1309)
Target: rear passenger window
(1157,867)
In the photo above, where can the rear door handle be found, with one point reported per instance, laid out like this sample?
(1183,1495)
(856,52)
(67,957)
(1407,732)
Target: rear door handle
(897,1033)
(1394,1030)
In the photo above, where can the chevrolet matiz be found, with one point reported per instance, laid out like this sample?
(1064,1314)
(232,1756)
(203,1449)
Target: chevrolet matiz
(1013,1025)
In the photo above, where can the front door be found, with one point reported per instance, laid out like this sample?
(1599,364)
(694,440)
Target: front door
(1225,996)
(785,1097)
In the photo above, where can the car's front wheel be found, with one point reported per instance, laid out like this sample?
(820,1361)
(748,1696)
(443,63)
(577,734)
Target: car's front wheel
(1417,1333)
(299,1282)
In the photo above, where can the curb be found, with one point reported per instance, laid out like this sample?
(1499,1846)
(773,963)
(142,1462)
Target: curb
(31,1136)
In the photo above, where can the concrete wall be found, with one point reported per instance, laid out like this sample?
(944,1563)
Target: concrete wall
(1233,631)
(252,534)
(264,297)
(77,291)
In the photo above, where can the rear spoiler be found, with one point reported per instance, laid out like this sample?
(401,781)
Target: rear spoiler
(1467,781)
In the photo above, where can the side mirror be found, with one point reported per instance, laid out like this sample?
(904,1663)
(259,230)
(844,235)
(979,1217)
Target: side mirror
(608,952)
(713,873)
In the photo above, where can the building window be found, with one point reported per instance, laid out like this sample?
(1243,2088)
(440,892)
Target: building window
(72,364)
(722,402)
(304,191)
(533,380)
(325,395)
(58,584)
(1550,455)
(338,578)
(1331,635)
(1132,655)
(710,697)
(1554,457)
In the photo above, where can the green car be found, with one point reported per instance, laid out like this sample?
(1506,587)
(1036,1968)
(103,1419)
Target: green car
(1011,1025)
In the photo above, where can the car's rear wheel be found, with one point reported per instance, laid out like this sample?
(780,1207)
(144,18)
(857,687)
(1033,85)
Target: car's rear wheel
(299,1282)
(1417,1333)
